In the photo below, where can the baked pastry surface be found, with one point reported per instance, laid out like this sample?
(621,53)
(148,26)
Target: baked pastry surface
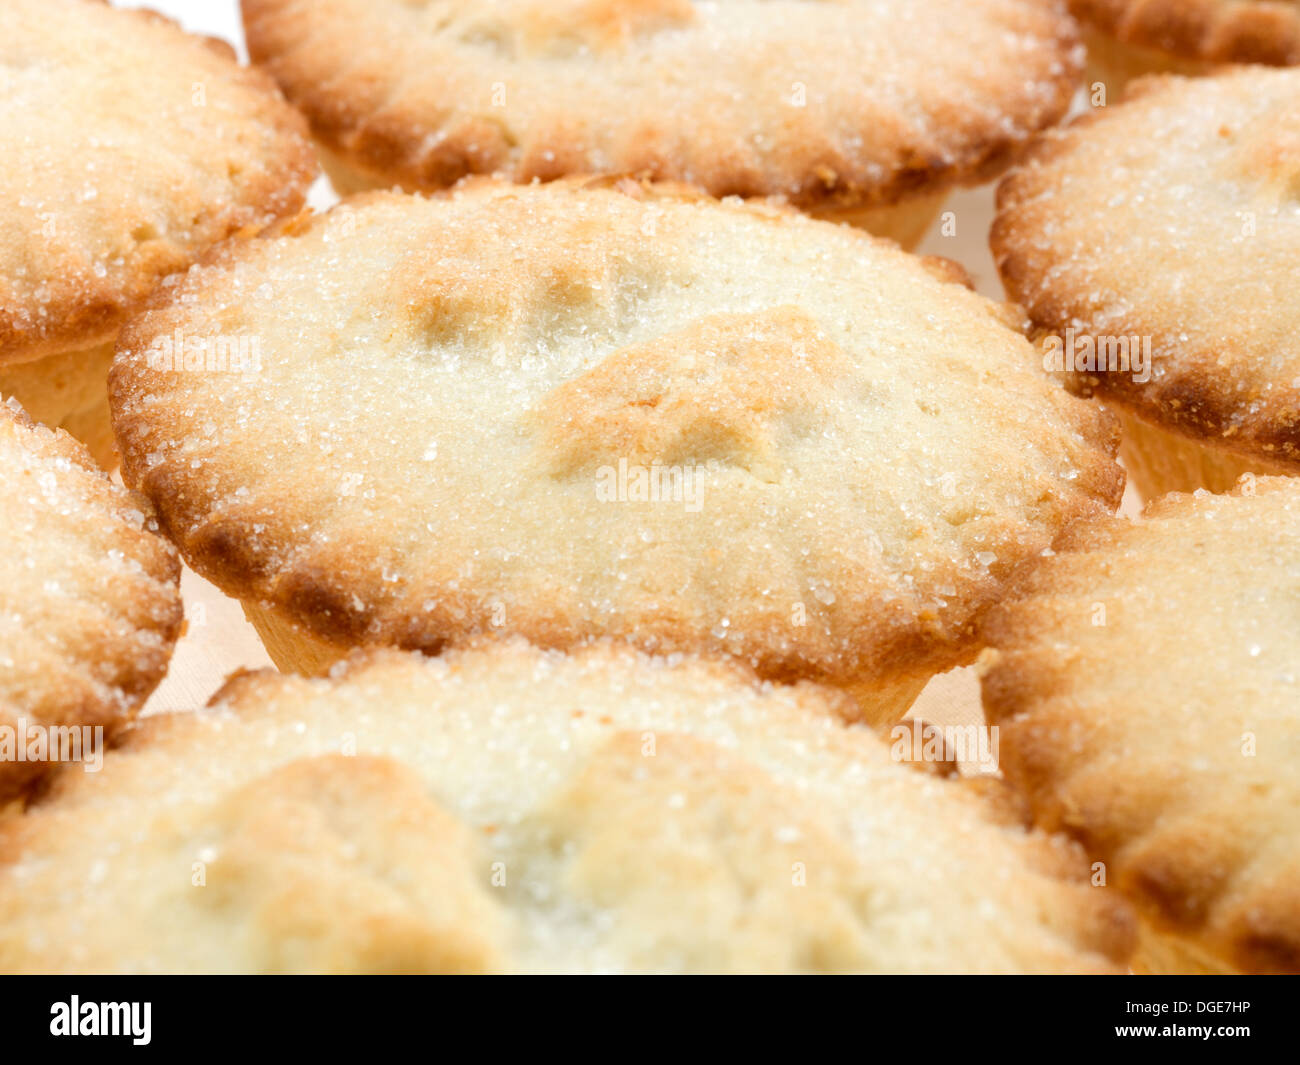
(1147,685)
(129,148)
(504,808)
(1174,216)
(89,600)
(457,396)
(1217,31)
(824,103)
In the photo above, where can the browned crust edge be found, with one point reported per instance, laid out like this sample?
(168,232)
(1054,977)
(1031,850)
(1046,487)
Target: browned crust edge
(396,147)
(83,310)
(1216,31)
(1185,401)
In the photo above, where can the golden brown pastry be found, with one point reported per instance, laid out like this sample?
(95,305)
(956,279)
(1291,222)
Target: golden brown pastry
(583,409)
(1129,38)
(89,603)
(1147,686)
(1154,244)
(130,148)
(861,111)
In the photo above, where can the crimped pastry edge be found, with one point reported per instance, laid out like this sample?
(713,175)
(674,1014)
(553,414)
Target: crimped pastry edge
(406,152)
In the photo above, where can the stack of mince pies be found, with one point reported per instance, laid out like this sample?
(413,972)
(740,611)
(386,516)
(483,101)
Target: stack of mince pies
(606,478)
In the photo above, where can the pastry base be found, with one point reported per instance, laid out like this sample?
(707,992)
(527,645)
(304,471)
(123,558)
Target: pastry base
(1115,64)
(68,391)
(345,178)
(294,651)
(291,649)
(1166,954)
(1159,461)
(906,222)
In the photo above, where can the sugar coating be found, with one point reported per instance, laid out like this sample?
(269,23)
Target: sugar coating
(1147,683)
(852,102)
(448,386)
(507,809)
(89,600)
(1175,216)
(129,147)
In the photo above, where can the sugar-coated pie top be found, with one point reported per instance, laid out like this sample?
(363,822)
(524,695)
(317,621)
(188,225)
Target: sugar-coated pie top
(1172,220)
(582,409)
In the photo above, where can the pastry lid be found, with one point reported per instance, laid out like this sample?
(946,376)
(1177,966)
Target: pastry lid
(582,409)
(849,103)
(130,147)
(1165,228)
(1147,685)
(89,602)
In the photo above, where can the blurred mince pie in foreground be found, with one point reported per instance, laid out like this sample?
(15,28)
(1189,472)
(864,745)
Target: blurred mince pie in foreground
(504,809)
